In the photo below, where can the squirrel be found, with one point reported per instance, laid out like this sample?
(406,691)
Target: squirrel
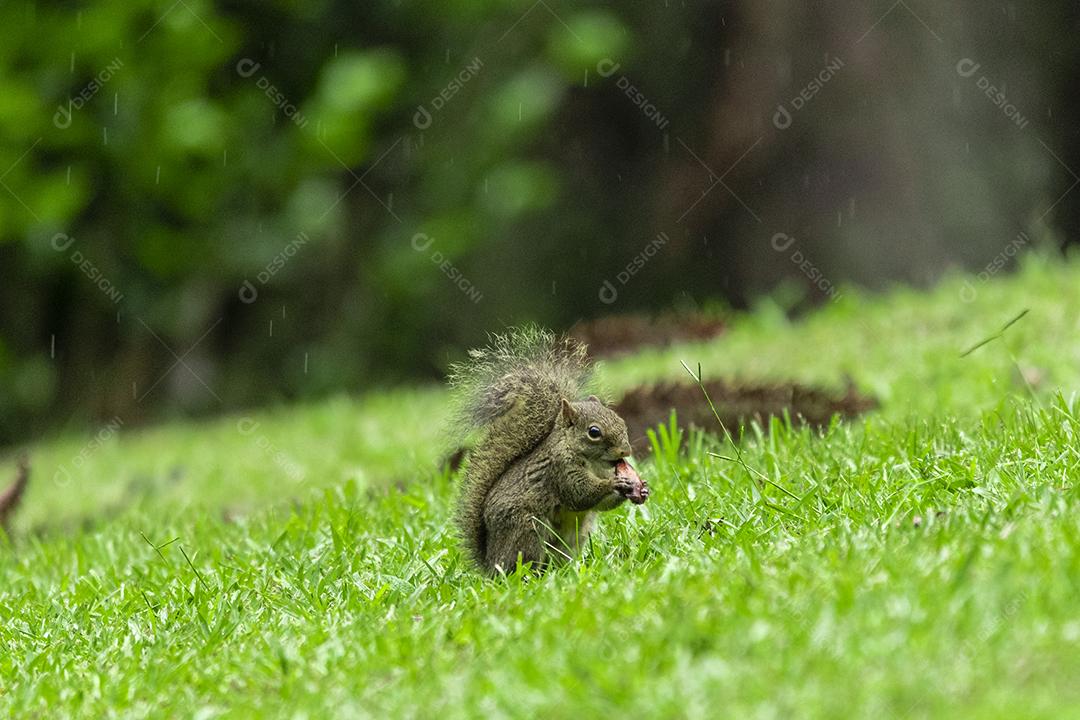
(546,462)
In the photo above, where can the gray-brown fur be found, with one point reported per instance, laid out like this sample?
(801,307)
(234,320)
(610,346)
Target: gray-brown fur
(535,479)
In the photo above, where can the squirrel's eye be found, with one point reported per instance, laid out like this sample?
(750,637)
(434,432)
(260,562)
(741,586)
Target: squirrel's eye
(594,432)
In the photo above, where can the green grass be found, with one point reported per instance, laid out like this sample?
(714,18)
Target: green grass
(922,561)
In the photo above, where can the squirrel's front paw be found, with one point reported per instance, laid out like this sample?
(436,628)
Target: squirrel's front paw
(624,486)
(628,484)
(642,494)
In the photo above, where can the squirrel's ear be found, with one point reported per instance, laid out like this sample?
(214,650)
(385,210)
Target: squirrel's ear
(596,399)
(569,414)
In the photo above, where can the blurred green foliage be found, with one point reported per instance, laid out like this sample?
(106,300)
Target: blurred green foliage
(180,149)
(206,206)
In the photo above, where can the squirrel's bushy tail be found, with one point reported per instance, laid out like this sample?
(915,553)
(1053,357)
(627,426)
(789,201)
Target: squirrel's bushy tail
(510,392)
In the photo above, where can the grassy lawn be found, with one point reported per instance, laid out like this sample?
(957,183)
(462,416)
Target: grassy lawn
(921,561)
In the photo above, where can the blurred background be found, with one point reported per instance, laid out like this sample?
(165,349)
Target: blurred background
(207,206)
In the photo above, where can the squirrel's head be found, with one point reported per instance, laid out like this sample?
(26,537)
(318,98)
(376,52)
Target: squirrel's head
(596,432)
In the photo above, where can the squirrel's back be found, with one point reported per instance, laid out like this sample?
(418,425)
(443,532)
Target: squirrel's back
(510,392)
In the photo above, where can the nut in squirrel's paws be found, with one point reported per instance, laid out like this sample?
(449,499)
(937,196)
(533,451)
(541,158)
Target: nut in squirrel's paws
(628,484)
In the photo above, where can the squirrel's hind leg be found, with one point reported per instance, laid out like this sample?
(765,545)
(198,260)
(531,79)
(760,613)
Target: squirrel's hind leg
(509,537)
